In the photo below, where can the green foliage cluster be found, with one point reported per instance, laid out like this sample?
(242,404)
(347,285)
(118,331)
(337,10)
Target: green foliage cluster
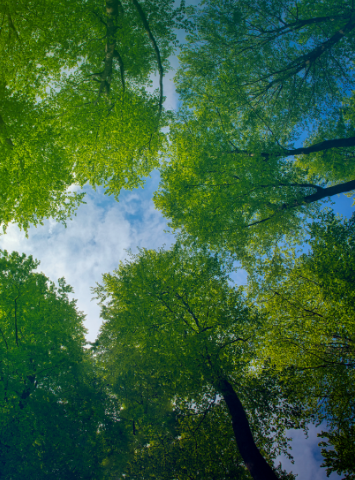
(173,332)
(76,99)
(50,406)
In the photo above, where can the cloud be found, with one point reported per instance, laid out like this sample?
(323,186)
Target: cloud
(307,455)
(94,242)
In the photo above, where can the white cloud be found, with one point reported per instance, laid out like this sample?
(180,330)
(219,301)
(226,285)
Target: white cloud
(307,455)
(93,243)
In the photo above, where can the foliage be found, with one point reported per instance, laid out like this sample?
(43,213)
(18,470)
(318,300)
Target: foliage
(173,331)
(37,40)
(50,401)
(308,303)
(340,457)
(225,199)
(189,378)
(256,78)
(285,60)
(76,97)
(200,446)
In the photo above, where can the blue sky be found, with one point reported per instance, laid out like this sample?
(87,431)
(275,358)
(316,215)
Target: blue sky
(99,237)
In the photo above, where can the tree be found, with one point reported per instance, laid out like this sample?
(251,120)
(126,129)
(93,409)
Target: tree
(286,60)
(75,100)
(112,122)
(308,308)
(51,401)
(177,338)
(233,177)
(38,40)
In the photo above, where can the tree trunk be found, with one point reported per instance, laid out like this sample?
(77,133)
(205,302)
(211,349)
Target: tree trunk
(254,461)
(321,146)
(314,197)
(330,191)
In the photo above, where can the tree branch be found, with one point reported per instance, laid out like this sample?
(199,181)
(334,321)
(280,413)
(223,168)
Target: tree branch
(315,197)
(321,146)
(117,55)
(155,46)
(304,61)
(330,191)
(317,147)
(189,310)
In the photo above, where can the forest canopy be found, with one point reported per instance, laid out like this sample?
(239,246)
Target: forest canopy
(191,375)
(265,133)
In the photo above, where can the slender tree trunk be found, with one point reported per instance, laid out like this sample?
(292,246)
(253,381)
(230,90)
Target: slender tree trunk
(254,461)
(317,147)
(330,191)
(113,10)
(314,197)
(321,146)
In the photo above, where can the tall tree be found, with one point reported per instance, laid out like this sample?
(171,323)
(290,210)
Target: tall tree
(51,401)
(76,103)
(37,40)
(255,79)
(285,60)
(308,307)
(177,337)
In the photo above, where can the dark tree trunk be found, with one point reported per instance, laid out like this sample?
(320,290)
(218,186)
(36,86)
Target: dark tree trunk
(317,147)
(254,461)
(321,146)
(330,191)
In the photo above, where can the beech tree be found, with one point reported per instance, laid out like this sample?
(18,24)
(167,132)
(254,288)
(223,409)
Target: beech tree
(76,100)
(308,307)
(37,40)
(286,60)
(255,79)
(51,400)
(177,338)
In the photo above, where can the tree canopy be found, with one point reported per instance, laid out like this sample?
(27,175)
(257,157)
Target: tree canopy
(77,104)
(51,401)
(177,341)
(191,377)
(308,302)
(256,81)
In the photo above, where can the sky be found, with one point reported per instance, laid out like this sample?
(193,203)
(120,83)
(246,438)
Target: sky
(101,235)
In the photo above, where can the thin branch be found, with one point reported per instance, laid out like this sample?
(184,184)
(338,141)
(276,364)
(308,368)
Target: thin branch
(189,310)
(117,55)
(155,46)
